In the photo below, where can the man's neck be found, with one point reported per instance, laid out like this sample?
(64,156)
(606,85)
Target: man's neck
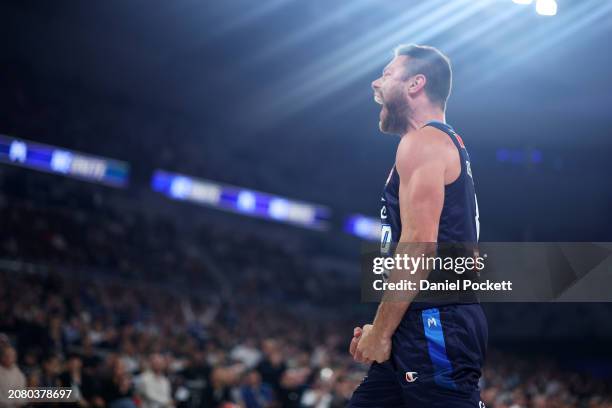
(423,117)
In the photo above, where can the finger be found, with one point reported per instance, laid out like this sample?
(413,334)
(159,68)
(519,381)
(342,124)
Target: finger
(357,331)
(359,356)
(353,346)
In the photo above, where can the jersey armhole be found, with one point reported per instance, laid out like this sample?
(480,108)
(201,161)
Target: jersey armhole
(442,127)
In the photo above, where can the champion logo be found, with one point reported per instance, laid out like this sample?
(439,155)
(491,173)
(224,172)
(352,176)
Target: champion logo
(411,376)
(432,322)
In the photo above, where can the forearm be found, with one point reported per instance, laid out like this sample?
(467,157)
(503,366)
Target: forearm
(394,304)
(388,317)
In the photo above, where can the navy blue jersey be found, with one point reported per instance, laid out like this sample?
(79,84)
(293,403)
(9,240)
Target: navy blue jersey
(439,347)
(459,219)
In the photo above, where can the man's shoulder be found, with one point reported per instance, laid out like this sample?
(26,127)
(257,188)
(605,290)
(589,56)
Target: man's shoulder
(431,137)
(423,145)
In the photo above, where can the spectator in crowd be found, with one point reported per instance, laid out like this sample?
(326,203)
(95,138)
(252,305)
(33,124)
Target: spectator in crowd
(72,378)
(11,377)
(116,390)
(253,393)
(51,369)
(273,365)
(153,385)
(129,357)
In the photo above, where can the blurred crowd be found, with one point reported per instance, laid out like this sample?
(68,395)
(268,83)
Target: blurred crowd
(129,308)
(121,307)
(509,381)
(120,345)
(72,225)
(123,346)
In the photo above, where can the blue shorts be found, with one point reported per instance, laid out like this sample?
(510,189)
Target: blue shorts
(436,360)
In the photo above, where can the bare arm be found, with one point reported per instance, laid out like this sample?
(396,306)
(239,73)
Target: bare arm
(422,166)
(421,197)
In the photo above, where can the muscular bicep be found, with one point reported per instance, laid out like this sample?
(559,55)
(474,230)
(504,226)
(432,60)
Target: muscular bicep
(421,197)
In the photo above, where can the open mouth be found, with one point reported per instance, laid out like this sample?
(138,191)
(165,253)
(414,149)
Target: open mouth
(378,99)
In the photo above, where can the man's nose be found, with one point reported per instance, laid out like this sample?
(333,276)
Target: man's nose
(376,84)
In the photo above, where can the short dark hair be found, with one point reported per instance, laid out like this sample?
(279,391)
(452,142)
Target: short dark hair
(436,67)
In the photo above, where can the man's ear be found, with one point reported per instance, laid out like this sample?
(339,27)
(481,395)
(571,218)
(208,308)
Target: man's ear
(416,83)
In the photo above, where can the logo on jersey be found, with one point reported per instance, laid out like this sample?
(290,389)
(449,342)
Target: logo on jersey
(481,405)
(411,376)
(383,212)
(432,322)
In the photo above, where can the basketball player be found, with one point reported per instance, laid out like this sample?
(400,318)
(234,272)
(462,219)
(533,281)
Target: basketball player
(423,354)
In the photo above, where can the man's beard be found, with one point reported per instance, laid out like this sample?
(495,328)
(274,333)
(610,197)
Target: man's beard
(394,120)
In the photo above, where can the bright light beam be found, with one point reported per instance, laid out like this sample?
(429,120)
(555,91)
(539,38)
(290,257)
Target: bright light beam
(258,11)
(375,36)
(299,36)
(348,69)
(500,19)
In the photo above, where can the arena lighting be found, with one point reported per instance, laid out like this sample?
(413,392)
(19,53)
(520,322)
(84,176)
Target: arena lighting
(279,208)
(523,1)
(240,200)
(546,7)
(367,228)
(246,201)
(587,14)
(57,160)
